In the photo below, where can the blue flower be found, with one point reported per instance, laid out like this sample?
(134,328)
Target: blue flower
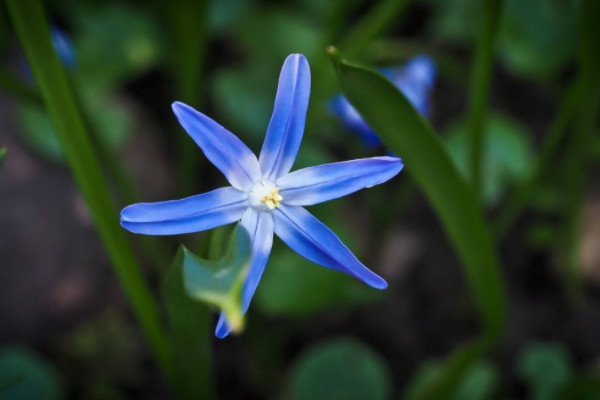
(415,79)
(63,47)
(264,195)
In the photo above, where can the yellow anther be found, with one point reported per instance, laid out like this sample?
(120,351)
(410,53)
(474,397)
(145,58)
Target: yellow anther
(272,199)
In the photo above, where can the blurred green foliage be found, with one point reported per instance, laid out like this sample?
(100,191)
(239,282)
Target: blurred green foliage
(340,369)
(293,286)
(530,31)
(546,368)
(548,371)
(479,382)
(102,356)
(508,153)
(25,376)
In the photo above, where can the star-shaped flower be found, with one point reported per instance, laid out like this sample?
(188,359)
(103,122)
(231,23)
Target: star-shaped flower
(264,195)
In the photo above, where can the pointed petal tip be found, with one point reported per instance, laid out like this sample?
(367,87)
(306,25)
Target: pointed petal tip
(123,216)
(221,334)
(222,330)
(379,284)
(373,280)
(178,107)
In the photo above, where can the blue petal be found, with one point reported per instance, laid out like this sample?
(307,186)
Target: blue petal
(285,130)
(260,227)
(310,238)
(62,46)
(415,80)
(232,157)
(192,214)
(315,185)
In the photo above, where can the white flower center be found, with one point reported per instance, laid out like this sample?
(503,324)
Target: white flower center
(264,196)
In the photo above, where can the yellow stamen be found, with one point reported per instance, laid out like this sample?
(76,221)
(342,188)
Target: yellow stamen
(273,199)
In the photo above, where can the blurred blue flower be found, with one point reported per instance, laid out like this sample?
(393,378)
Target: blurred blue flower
(264,196)
(63,47)
(415,79)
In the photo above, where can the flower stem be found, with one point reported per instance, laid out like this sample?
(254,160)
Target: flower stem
(186,21)
(553,138)
(583,123)
(32,29)
(480,87)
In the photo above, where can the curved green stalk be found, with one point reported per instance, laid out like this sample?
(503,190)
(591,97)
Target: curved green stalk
(32,28)
(480,87)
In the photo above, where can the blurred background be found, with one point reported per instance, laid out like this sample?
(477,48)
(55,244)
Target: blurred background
(311,333)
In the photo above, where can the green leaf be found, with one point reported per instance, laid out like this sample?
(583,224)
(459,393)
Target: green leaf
(219,282)
(24,376)
(404,131)
(507,154)
(341,369)
(190,336)
(546,367)
(3,153)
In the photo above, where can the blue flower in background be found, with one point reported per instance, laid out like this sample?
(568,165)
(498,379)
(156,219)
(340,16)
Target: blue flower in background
(415,79)
(63,47)
(264,195)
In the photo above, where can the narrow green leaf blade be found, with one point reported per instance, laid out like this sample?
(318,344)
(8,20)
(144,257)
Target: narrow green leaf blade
(32,28)
(404,131)
(3,153)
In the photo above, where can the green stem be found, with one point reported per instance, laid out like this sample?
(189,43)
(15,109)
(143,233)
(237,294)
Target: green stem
(376,21)
(187,25)
(583,123)
(153,250)
(480,87)
(553,138)
(32,29)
